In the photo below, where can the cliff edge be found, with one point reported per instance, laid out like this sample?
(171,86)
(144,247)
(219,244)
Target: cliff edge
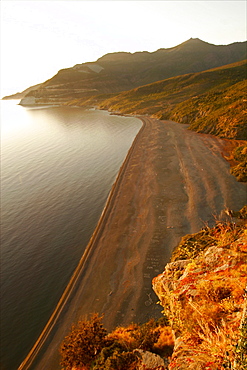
(203,292)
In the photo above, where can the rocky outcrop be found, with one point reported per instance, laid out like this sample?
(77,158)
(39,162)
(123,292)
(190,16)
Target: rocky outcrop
(150,361)
(204,299)
(29,100)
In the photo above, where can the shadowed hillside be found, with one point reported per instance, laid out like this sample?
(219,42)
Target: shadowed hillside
(118,72)
(212,101)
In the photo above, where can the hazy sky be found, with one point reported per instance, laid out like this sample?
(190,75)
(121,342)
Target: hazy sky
(40,37)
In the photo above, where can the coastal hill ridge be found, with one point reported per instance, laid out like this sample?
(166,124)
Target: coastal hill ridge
(116,72)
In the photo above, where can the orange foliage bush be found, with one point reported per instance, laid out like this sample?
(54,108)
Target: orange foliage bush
(204,296)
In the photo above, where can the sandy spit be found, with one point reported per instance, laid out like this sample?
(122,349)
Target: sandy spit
(173,182)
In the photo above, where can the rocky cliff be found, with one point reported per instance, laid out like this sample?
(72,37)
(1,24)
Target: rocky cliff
(203,292)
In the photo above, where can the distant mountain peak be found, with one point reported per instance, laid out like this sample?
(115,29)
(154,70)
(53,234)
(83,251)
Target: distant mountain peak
(194,39)
(195,42)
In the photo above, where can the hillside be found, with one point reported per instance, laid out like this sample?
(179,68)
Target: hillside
(123,71)
(212,101)
(203,292)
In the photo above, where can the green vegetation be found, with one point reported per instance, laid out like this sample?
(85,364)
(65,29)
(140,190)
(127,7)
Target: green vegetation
(89,346)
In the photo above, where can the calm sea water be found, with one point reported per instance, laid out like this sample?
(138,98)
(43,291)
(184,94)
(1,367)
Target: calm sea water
(57,168)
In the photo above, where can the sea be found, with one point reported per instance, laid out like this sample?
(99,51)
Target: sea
(58,165)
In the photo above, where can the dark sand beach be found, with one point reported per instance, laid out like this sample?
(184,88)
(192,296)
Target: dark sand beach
(173,182)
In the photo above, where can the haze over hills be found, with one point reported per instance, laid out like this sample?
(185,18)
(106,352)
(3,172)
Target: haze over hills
(20,95)
(123,71)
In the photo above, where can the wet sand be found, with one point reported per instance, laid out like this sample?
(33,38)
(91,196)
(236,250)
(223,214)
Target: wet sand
(173,182)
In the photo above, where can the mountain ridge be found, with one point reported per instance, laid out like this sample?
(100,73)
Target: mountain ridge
(116,72)
(188,43)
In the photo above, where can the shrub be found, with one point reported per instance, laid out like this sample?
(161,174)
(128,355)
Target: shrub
(89,346)
(240,170)
(115,357)
(123,336)
(240,153)
(146,335)
(192,244)
(83,344)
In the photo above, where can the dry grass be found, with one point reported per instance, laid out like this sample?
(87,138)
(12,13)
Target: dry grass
(204,298)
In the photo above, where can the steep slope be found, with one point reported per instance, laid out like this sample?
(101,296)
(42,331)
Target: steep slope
(117,72)
(203,292)
(212,101)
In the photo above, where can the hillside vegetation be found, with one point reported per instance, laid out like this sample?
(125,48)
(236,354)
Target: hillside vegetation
(203,292)
(90,347)
(123,71)
(212,101)
(240,169)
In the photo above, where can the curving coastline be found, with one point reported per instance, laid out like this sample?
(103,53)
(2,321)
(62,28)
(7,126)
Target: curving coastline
(26,364)
(171,182)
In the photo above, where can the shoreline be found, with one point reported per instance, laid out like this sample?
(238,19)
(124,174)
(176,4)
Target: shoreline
(157,198)
(27,362)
